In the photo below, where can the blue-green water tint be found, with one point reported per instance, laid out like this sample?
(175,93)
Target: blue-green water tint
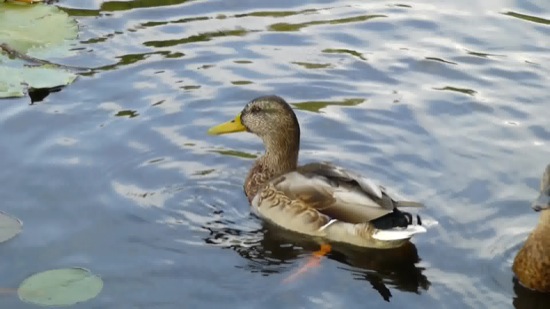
(444,101)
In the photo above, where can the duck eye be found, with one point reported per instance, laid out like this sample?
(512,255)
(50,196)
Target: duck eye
(254,109)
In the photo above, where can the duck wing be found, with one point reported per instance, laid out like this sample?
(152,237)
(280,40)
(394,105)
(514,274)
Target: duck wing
(339,193)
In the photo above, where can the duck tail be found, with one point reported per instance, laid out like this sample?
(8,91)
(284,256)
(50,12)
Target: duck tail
(397,225)
(396,219)
(399,234)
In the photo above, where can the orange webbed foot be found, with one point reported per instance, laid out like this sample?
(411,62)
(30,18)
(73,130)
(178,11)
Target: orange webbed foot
(312,262)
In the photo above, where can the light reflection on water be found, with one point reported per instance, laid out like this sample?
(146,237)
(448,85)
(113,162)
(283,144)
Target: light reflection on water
(442,101)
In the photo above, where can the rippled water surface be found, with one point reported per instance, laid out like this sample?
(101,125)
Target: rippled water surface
(444,101)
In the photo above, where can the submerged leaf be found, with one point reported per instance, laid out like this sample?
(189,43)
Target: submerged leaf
(60,287)
(9,227)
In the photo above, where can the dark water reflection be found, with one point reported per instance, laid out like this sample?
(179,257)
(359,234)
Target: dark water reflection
(526,298)
(444,101)
(272,251)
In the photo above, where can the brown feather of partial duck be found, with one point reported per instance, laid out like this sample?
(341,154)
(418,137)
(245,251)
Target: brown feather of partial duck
(317,199)
(532,263)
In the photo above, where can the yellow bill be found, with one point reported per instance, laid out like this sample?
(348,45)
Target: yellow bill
(232,126)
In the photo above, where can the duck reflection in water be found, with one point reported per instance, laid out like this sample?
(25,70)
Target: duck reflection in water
(271,250)
(529,299)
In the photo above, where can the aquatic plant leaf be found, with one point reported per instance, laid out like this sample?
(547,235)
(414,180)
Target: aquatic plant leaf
(9,227)
(30,28)
(16,77)
(317,106)
(33,31)
(60,287)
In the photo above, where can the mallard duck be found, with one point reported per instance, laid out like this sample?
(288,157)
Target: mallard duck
(318,199)
(532,263)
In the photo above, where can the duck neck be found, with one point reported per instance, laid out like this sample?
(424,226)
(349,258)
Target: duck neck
(544,220)
(281,154)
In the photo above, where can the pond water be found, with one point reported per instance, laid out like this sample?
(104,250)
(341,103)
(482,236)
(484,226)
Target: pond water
(444,101)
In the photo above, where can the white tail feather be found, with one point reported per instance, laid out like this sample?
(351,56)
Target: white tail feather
(398,234)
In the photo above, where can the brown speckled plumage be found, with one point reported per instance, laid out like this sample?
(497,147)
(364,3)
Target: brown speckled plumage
(318,199)
(532,263)
(259,175)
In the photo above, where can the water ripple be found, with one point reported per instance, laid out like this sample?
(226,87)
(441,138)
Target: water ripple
(443,101)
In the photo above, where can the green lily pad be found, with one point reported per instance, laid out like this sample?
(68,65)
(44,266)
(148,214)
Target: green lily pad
(34,31)
(16,77)
(9,227)
(60,287)
(35,28)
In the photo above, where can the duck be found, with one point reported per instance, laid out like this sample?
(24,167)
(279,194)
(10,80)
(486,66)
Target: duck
(532,263)
(321,200)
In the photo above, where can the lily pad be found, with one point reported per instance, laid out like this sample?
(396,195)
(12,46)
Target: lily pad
(34,31)
(16,77)
(60,287)
(16,85)
(30,28)
(9,227)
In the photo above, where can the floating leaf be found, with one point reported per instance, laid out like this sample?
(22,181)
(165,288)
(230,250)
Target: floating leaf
(461,90)
(60,287)
(311,65)
(344,51)
(36,28)
(531,18)
(27,32)
(316,106)
(9,227)
(16,77)
(127,113)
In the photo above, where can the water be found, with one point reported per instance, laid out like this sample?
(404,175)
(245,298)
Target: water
(444,101)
